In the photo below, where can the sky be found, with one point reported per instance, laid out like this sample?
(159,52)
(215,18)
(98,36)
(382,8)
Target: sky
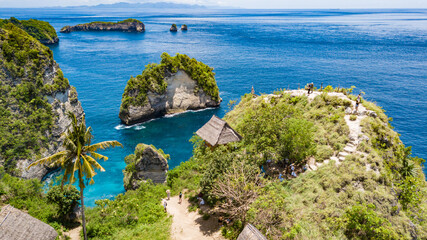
(264,4)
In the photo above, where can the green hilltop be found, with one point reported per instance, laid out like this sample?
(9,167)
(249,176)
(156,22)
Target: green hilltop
(40,30)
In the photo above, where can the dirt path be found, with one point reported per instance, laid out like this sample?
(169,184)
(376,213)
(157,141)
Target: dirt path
(190,225)
(74,233)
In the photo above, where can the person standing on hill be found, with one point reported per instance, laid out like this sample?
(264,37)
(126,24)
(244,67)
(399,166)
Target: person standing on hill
(358,101)
(168,192)
(180,198)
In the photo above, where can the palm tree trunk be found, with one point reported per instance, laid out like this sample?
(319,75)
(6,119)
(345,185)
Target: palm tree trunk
(83,214)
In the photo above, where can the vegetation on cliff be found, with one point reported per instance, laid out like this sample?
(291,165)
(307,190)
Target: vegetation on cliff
(153,79)
(26,118)
(40,30)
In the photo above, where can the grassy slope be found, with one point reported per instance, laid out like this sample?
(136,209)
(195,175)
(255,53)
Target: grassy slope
(332,202)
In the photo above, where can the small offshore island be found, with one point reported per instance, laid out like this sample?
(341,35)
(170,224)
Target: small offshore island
(175,85)
(128,25)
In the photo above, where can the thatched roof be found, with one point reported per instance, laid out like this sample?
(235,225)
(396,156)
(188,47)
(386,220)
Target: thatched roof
(218,132)
(251,233)
(17,225)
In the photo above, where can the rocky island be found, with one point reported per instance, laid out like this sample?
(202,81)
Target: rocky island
(174,28)
(34,99)
(146,163)
(40,30)
(128,25)
(184,28)
(175,85)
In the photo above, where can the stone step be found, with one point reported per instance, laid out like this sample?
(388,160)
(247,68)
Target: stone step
(326,161)
(343,154)
(341,158)
(350,149)
(313,167)
(334,159)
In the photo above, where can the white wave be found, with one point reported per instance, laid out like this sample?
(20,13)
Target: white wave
(136,126)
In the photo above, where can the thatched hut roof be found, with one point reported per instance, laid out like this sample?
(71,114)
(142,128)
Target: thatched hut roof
(251,233)
(218,132)
(17,225)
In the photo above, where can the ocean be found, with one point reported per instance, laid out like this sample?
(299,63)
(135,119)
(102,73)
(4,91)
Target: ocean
(381,52)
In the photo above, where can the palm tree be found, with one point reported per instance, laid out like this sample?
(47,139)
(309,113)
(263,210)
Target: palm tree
(79,155)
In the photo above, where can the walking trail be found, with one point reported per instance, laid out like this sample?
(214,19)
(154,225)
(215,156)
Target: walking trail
(355,134)
(190,225)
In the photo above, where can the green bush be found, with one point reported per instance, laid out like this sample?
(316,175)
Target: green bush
(40,30)
(362,222)
(139,209)
(66,199)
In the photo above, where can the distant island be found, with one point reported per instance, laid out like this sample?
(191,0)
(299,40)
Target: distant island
(128,25)
(175,85)
(40,30)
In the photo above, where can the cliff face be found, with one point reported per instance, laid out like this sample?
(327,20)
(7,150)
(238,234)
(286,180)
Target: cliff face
(181,94)
(147,163)
(175,85)
(129,25)
(34,100)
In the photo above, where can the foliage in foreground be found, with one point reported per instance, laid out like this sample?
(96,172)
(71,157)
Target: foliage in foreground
(136,214)
(52,207)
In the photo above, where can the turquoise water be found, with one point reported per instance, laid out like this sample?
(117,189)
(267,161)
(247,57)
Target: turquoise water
(382,52)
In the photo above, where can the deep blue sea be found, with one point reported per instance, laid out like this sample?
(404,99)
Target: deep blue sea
(381,52)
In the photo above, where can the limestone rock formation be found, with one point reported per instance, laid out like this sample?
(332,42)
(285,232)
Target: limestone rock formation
(128,25)
(146,163)
(174,28)
(176,92)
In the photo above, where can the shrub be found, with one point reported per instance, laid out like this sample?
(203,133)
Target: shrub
(353,118)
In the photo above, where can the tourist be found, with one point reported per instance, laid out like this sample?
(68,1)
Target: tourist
(358,100)
(281,177)
(165,204)
(180,198)
(168,192)
(293,171)
(312,87)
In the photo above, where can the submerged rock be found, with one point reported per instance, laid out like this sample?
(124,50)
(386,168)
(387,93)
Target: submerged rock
(128,25)
(184,28)
(146,163)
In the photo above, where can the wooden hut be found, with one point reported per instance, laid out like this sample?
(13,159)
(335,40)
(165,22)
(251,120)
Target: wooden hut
(17,225)
(218,132)
(251,233)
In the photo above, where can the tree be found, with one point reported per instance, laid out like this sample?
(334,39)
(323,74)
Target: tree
(79,155)
(238,188)
(66,199)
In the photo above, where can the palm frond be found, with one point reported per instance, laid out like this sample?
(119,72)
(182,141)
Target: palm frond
(49,160)
(87,168)
(101,145)
(98,156)
(94,163)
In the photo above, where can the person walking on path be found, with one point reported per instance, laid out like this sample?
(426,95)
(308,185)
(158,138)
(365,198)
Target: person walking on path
(310,88)
(165,204)
(358,100)
(180,198)
(168,192)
